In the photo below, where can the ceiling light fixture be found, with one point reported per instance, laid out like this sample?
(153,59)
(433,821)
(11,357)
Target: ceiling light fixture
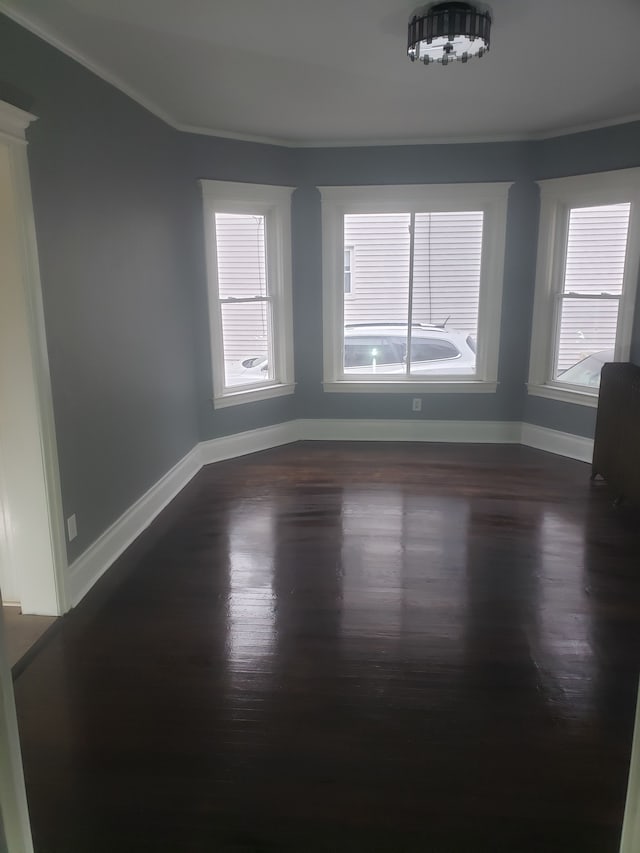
(444,32)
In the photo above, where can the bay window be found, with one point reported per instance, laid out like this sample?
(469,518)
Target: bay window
(426,311)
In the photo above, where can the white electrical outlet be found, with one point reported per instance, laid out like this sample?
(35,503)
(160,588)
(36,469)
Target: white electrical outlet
(416,406)
(72,527)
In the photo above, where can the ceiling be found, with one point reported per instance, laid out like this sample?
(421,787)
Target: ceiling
(327,72)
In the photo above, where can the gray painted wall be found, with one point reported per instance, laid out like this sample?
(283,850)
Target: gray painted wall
(600,150)
(117,285)
(410,164)
(120,233)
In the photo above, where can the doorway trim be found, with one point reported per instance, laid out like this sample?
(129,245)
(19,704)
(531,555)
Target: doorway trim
(53,601)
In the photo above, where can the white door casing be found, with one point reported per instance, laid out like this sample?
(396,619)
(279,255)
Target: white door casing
(13,799)
(31,505)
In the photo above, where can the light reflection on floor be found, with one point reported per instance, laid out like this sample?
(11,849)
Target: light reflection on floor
(563,653)
(251,604)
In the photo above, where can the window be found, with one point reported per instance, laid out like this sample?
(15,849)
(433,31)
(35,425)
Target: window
(433,350)
(348,270)
(247,230)
(585,283)
(430,268)
(372,352)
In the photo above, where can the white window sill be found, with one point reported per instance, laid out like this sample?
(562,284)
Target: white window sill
(449,386)
(565,395)
(252,395)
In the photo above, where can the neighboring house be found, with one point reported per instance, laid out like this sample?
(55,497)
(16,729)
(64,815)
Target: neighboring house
(446,270)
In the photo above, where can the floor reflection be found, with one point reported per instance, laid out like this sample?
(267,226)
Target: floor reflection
(562,649)
(251,598)
(403,558)
(349,648)
(373,562)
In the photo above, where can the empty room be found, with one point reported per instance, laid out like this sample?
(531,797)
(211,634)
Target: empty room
(319,426)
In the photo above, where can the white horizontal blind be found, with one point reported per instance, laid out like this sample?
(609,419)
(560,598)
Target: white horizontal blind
(243,293)
(592,283)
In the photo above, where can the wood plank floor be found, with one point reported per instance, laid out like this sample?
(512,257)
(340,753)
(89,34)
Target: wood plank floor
(22,632)
(349,647)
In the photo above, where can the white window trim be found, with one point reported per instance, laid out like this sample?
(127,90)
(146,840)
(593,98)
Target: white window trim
(558,196)
(337,201)
(273,202)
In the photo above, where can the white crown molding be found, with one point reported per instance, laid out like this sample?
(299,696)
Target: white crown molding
(14,122)
(585,128)
(94,562)
(368,142)
(149,105)
(99,70)
(279,142)
(403,142)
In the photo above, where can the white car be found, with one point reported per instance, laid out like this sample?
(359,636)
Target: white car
(587,370)
(246,370)
(382,348)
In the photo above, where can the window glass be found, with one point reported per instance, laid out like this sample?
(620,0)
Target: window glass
(596,248)
(382,244)
(370,352)
(586,282)
(240,247)
(242,285)
(447,262)
(430,350)
(246,342)
(248,245)
(348,269)
(587,372)
(591,287)
(586,326)
(428,257)
(445,288)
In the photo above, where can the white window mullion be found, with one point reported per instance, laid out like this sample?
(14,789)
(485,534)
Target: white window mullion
(412,247)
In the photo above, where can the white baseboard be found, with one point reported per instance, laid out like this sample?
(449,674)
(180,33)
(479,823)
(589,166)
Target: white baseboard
(85,571)
(94,562)
(560,443)
(242,443)
(485,432)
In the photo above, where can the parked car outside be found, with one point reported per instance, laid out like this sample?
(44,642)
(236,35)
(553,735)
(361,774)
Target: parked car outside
(587,370)
(381,348)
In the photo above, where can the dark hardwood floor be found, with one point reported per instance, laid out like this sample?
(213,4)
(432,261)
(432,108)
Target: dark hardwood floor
(349,647)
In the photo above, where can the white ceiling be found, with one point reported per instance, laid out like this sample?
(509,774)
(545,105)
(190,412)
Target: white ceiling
(303,72)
